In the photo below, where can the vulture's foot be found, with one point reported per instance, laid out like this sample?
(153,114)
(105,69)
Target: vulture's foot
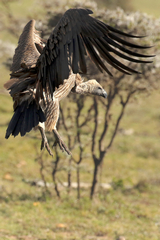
(44,143)
(60,142)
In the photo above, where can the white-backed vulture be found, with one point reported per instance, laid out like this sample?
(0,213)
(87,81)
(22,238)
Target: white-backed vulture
(44,72)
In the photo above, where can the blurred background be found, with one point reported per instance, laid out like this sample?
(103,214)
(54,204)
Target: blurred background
(110,186)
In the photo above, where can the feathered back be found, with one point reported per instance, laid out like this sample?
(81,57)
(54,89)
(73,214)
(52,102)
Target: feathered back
(26,52)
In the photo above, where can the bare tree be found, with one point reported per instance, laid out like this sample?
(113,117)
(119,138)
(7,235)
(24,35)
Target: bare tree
(99,138)
(79,118)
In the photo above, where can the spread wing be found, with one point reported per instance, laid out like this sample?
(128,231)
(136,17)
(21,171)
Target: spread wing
(78,34)
(27,110)
(29,47)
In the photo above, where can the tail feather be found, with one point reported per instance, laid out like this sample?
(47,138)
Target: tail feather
(24,119)
(30,119)
(35,120)
(24,123)
(17,128)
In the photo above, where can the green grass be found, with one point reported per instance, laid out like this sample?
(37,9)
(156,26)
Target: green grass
(130,208)
(132,213)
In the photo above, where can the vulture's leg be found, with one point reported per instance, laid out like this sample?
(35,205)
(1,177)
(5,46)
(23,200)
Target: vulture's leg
(44,143)
(60,142)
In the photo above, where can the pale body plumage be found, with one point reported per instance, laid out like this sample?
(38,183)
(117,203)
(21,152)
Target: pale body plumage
(44,72)
(75,84)
(52,109)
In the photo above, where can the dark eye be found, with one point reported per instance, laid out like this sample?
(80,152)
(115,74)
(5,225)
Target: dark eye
(99,88)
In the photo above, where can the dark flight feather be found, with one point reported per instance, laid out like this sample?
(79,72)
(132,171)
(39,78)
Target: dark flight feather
(76,34)
(26,116)
(21,86)
(122,48)
(41,69)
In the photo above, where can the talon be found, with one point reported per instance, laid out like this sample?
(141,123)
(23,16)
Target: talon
(44,143)
(55,143)
(60,142)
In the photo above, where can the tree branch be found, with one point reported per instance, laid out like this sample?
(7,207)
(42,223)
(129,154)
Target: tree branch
(123,103)
(95,126)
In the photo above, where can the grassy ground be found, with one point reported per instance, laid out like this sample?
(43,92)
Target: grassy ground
(130,208)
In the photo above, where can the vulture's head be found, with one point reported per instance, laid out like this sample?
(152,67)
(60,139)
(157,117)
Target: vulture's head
(91,87)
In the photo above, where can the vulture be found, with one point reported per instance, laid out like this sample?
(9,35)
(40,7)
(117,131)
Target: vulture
(44,72)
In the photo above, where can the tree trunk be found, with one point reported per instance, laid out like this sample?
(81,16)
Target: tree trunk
(78,183)
(95,177)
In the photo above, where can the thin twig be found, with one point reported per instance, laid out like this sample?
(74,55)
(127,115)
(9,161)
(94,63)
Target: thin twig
(40,160)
